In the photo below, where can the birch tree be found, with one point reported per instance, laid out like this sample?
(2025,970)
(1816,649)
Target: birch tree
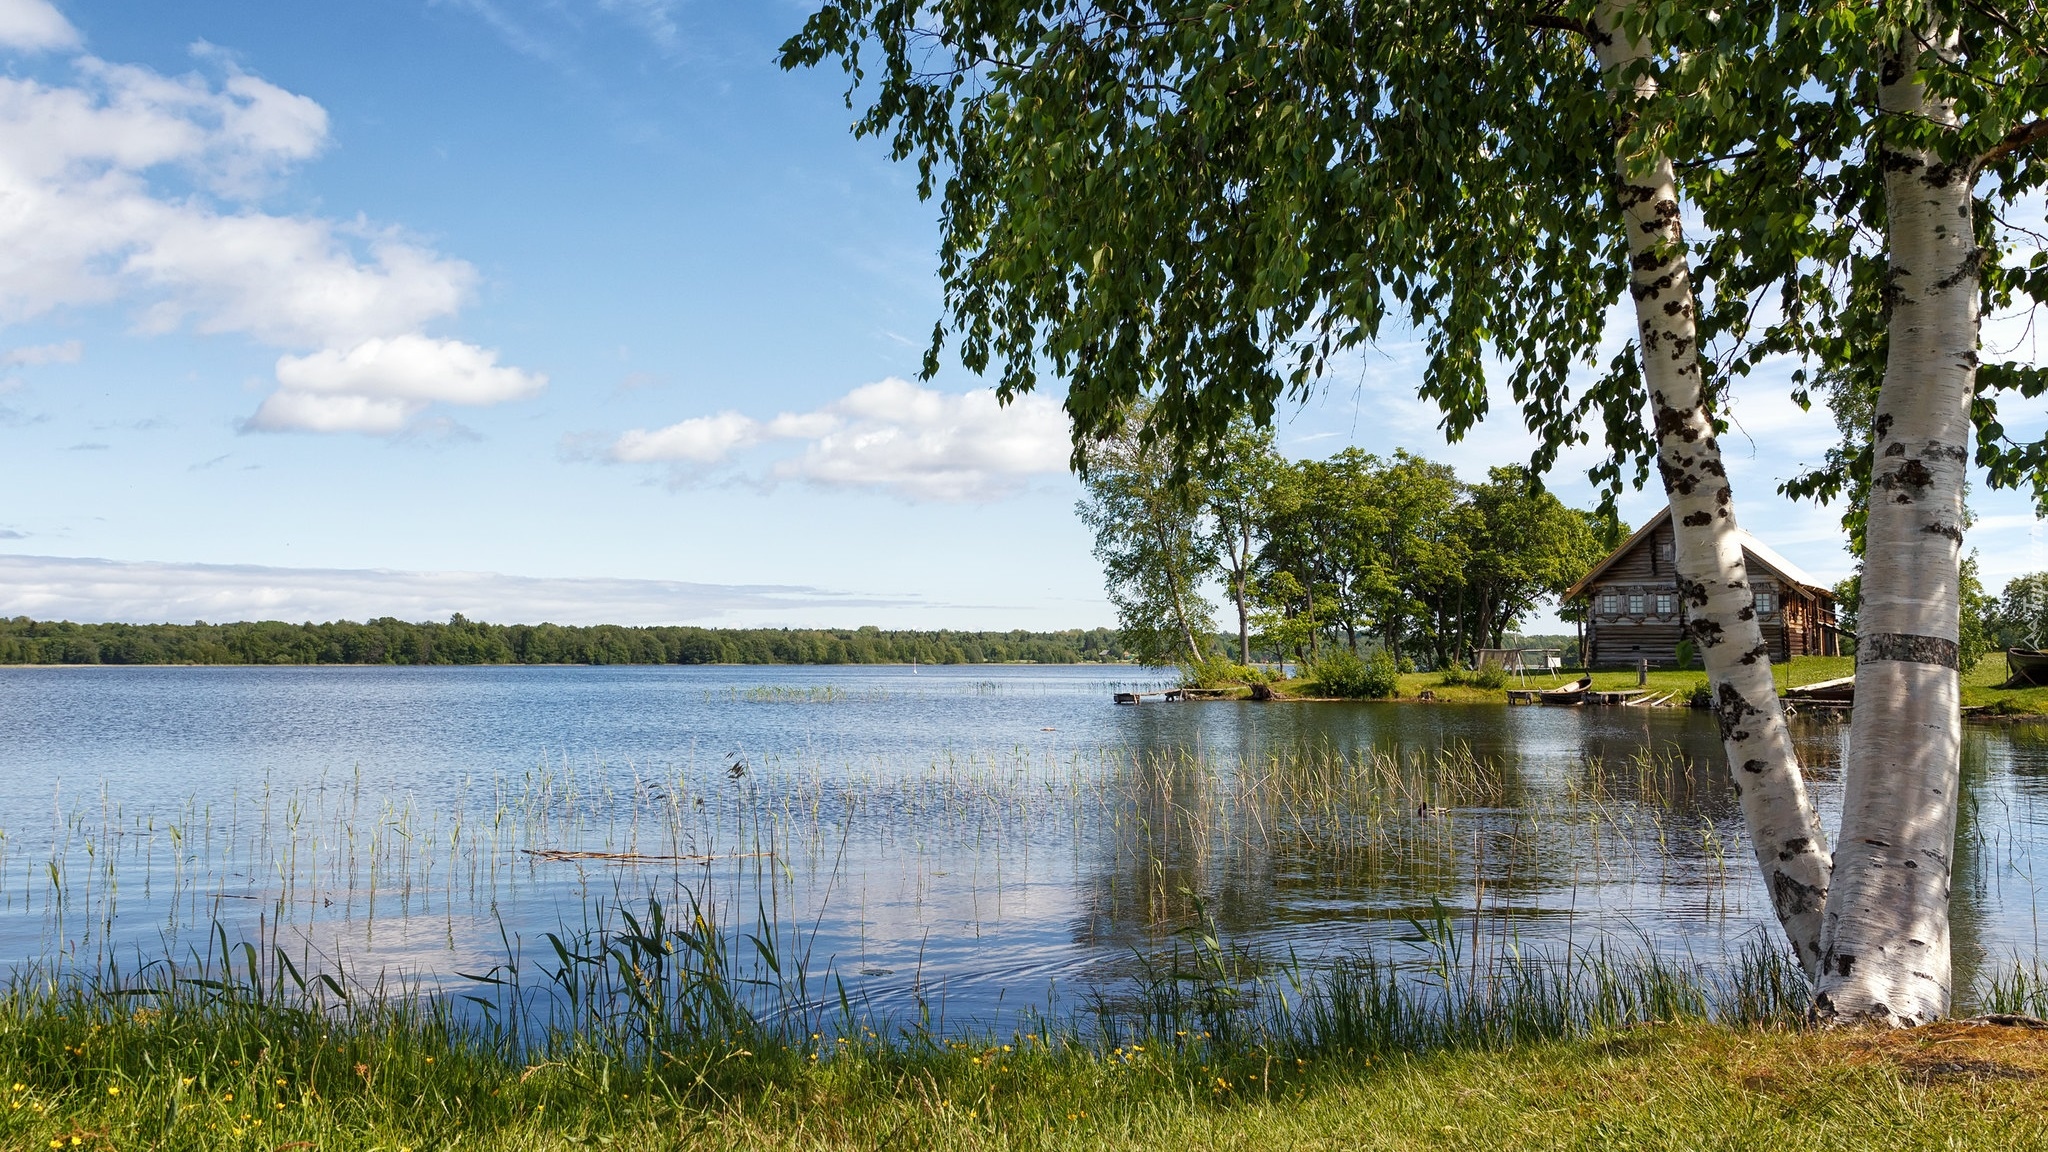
(1195,206)
(1784,829)
(1892,149)
(1886,938)
(1199,205)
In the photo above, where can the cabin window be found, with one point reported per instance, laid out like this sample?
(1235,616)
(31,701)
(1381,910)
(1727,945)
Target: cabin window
(1763,602)
(1610,603)
(1635,604)
(1663,605)
(1660,557)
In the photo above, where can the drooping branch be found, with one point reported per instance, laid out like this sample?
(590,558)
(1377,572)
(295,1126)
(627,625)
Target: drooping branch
(1561,24)
(2019,139)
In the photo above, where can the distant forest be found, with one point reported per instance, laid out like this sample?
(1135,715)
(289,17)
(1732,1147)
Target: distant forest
(465,641)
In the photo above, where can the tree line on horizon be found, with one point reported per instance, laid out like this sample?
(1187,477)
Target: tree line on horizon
(461,640)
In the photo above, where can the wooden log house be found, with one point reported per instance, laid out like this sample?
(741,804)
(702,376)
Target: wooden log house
(1635,612)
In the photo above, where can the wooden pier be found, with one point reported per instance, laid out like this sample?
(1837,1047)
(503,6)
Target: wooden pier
(1569,695)
(1139,697)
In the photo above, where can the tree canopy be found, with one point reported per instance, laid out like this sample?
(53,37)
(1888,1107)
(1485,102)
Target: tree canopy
(1316,555)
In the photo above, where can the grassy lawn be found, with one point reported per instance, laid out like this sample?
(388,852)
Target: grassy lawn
(1980,686)
(1805,670)
(1694,1086)
(1981,690)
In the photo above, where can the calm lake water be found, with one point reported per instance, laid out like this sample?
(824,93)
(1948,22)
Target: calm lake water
(990,838)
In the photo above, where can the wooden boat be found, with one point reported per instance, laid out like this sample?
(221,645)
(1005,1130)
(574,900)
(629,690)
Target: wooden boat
(2027,666)
(1568,694)
(1840,691)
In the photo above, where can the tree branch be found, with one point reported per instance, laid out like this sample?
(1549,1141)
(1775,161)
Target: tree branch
(1559,23)
(2021,137)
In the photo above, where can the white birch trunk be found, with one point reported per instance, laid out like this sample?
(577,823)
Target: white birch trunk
(1886,936)
(1783,828)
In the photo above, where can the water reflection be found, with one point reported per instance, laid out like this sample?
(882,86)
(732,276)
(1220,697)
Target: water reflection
(986,837)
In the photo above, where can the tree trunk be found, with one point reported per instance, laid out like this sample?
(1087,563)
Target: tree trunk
(1784,830)
(1489,621)
(1178,584)
(1458,650)
(1244,569)
(1886,936)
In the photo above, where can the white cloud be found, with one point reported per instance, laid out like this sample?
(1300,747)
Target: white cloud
(380,385)
(698,440)
(891,435)
(934,446)
(34,26)
(74,588)
(129,186)
(287,411)
(68,352)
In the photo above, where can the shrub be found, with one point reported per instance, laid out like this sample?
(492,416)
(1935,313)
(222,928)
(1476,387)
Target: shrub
(1455,677)
(1489,674)
(1701,696)
(1342,673)
(1219,671)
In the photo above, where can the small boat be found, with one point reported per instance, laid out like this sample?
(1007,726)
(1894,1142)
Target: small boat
(2027,665)
(1840,691)
(1568,694)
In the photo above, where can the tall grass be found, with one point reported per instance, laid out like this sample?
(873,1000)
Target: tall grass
(642,911)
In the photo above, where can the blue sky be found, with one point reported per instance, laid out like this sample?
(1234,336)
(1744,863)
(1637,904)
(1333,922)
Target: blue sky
(568,308)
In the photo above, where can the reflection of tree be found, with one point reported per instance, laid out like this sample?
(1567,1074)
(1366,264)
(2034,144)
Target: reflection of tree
(1973,896)
(1298,827)
(1311,835)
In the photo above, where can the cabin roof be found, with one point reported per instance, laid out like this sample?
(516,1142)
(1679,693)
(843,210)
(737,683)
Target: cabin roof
(1780,567)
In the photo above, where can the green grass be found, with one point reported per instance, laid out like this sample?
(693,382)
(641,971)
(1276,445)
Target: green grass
(651,1035)
(1805,670)
(177,1084)
(1981,690)
(1981,686)
(1605,1051)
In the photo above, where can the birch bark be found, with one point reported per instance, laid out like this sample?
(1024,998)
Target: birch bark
(1886,933)
(1784,830)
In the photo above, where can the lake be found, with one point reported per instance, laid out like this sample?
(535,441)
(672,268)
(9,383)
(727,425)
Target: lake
(965,841)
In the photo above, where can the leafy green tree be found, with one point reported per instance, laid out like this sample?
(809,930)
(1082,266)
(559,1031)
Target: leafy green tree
(1199,203)
(1149,537)
(2020,617)
(1528,546)
(1193,206)
(1417,546)
(1237,482)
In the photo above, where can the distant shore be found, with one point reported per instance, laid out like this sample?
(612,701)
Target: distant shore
(461,641)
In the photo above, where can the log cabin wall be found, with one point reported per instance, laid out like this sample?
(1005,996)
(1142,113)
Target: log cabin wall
(1636,613)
